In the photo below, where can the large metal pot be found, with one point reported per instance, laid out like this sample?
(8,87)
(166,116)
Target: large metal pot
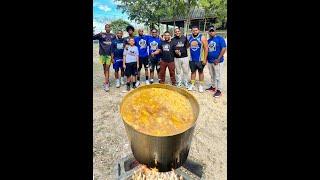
(162,152)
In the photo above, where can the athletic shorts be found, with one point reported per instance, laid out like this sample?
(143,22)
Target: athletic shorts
(105,59)
(154,64)
(131,69)
(196,66)
(143,61)
(117,64)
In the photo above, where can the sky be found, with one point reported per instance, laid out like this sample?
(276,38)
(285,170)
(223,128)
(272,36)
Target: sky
(104,11)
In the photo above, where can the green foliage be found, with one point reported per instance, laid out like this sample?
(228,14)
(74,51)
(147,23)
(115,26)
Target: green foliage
(119,25)
(149,12)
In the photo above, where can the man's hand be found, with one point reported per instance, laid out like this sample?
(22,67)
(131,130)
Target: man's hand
(152,54)
(124,66)
(204,62)
(216,61)
(112,60)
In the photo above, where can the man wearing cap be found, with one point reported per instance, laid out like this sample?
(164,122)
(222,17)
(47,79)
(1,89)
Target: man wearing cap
(217,48)
(105,40)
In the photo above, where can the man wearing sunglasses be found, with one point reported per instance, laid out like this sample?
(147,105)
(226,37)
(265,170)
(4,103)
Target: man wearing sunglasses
(217,48)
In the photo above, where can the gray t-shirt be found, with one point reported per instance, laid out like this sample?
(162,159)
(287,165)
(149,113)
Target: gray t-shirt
(131,54)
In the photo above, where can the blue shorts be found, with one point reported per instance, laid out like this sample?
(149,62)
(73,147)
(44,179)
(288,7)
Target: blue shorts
(117,64)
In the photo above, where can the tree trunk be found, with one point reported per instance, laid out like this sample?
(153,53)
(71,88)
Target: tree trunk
(204,26)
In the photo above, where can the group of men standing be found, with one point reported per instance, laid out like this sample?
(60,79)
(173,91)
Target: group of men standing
(157,53)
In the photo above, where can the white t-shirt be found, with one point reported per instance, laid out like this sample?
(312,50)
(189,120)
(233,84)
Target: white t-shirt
(131,54)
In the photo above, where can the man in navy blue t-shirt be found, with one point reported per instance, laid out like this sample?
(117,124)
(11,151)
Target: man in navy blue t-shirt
(117,48)
(217,48)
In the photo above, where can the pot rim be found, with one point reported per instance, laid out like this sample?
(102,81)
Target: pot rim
(164,86)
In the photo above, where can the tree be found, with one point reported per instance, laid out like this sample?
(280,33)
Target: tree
(143,11)
(215,8)
(119,25)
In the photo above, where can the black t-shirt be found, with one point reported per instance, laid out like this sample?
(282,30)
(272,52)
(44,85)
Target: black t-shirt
(167,51)
(105,41)
(180,43)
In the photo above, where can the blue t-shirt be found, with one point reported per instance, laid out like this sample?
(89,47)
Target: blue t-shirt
(215,45)
(117,48)
(154,44)
(142,43)
(196,48)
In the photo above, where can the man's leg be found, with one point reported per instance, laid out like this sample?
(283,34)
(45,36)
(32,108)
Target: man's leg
(104,72)
(146,68)
(193,75)
(171,66)
(218,78)
(163,66)
(158,70)
(116,73)
(212,76)
(201,77)
(178,66)
(139,69)
(185,70)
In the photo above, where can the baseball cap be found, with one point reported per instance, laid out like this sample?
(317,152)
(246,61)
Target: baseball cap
(212,28)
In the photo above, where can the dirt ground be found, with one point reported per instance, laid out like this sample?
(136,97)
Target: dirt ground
(110,143)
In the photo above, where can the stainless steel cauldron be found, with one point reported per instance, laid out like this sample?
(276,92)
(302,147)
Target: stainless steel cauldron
(162,152)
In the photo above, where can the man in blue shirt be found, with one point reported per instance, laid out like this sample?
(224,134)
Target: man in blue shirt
(217,48)
(117,48)
(141,42)
(154,43)
(198,59)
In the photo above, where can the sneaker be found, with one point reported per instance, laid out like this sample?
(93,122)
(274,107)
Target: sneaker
(201,89)
(191,88)
(122,81)
(179,84)
(134,86)
(211,89)
(128,88)
(151,81)
(137,84)
(217,94)
(106,87)
(117,83)
(147,82)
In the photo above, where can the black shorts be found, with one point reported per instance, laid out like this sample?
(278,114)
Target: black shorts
(131,69)
(196,66)
(154,64)
(144,61)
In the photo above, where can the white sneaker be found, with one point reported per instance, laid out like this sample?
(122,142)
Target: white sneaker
(201,89)
(106,87)
(147,82)
(191,88)
(137,83)
(151,81)
(122,81)
(117,83)
(179,84)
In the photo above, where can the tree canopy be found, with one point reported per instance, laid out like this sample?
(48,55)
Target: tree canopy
(119,25)
(149,12)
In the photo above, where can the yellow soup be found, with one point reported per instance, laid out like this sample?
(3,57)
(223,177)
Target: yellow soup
(158,112)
